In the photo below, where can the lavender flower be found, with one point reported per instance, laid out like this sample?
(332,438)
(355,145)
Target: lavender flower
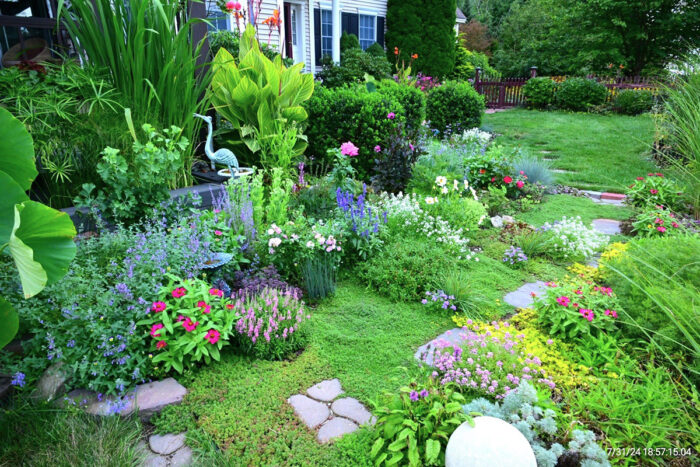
(18,379)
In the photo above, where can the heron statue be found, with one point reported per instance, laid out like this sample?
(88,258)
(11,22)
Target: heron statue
(222,156)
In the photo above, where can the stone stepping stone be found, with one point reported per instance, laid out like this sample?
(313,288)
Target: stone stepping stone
(153,397)
(607,226)
(181,458)
(522,298)
(562,171)
(599,197)
(166,444)
(325,390)
(335,428)
(311,412)
(354,410)
(425,353)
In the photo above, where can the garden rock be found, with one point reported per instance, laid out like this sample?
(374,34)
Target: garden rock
(497,221)
(325,390)
(52,383)
(425,353)
(181,458)
(311,412)
(334,428)
(154,460)
(151,398)
(491,442)
(352,409)
(96,405)
(522,298)
(166,444)
(607,226)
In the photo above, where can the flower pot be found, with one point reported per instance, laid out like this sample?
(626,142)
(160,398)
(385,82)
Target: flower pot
(35,50)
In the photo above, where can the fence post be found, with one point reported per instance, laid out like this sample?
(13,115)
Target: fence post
(477,78)
(533,72)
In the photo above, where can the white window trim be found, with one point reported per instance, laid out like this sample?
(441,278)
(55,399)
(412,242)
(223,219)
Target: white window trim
(322,36)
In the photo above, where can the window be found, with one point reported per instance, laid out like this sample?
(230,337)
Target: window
(368,31)
(217,18)
(326,32)
(294,26)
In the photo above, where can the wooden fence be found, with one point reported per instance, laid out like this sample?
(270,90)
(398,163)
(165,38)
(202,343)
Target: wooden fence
(508,92)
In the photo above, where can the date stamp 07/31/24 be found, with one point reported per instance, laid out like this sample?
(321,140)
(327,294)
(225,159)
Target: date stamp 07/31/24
(650,452)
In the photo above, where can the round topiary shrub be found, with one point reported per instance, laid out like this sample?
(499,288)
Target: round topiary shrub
(539,92)
(634,101)
(376,50)
(454,107)
(410,97)
(580,93)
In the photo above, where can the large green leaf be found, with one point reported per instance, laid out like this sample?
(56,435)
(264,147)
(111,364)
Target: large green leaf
(9,322)
(12,194)
(41,244)
(16,151)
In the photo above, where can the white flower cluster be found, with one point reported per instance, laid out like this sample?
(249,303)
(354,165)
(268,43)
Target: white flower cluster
(474,136)
(571,238)
(404,211)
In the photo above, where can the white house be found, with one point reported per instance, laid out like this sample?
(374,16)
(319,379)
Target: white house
(312,28)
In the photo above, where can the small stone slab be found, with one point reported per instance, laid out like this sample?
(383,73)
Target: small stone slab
(597,197)
(154,460)
(181,458)
(607,226)
(335,428)
(311,412)
(425,353)
(325,390)
(166,444)
(522,298)
(92,404)
(613,196)
(562,171)
(52,383)
(151,398)
(352,409)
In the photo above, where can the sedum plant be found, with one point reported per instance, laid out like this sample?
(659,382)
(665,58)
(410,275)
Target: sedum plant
(259,97)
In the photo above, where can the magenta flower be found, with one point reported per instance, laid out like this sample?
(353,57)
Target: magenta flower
(653,191)
(586,313)
(155,328)
(204,306)
(216,292)
(212,336)
(661,229)
(563,301)
(413,396)
(158,306)
(218,233)
(179,292)
(349,149)
(377,148)
(391,115)
(189,325)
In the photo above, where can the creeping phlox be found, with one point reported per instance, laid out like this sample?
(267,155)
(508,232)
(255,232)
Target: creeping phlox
(570,238)
(487,363)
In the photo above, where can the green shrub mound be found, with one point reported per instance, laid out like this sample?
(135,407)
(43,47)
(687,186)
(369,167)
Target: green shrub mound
(539,92)
(354,65)
(405,268)
(348,42)
(579,94)
(657,281)
(376,50)
(352,113)
(466,63)
(454,107)
(634,102)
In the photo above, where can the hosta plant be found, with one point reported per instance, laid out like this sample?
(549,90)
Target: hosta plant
(189,322)
(415,423)
(577,309)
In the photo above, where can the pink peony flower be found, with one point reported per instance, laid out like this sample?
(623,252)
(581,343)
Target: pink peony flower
(520,184)
(179,292)
(212,336)
(158,306)
(349,149)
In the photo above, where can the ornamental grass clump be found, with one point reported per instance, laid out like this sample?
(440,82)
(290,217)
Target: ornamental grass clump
(189,322)
(272,324)
(570,239)
(488,365)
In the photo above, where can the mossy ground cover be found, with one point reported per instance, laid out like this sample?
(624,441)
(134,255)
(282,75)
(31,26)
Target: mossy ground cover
(601,152)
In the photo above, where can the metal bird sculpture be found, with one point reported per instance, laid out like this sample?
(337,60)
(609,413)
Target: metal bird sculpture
(222,156)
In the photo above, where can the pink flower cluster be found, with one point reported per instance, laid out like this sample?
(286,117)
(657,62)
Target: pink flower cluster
(486,363)
(274,314)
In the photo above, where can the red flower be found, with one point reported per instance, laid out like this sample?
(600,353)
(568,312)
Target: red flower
(482,171)
(230,306)
(396,50)
(179,292)
(520,184)
(640,178)
(493,179)
(161,344)
(155,328)
(414,56)
(507,179)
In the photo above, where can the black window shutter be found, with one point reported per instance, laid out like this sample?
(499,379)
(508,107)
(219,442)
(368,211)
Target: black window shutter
(345,23)
(380,30)
(354,26)
(317,34)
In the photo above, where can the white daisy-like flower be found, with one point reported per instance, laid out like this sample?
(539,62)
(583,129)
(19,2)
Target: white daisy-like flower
(441,181)
(444,190)
(430,200)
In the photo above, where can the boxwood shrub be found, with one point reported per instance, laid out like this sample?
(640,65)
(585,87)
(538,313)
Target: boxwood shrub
(633,102)
(454,107)
(352,113)
(580,93)
(539,92)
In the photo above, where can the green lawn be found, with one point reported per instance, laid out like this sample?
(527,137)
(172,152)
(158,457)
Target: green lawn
(603,152)
(554,207)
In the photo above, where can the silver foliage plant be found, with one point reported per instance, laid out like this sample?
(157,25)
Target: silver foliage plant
(520,409)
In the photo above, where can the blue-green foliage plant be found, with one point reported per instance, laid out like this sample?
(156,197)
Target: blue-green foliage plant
(522,409)
(537,170)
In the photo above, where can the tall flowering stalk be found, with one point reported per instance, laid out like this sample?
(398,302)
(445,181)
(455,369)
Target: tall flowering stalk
(363,223)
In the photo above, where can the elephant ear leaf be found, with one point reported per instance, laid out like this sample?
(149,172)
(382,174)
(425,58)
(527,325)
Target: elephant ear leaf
(10,322)
(16,151)
(12,194)
(41,244)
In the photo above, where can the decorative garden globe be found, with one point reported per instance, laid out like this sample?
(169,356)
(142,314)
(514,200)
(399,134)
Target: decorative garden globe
(491,442)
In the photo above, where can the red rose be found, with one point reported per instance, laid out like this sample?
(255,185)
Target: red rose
(507,179)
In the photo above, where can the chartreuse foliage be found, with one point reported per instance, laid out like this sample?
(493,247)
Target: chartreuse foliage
(39,239)
(259,96)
